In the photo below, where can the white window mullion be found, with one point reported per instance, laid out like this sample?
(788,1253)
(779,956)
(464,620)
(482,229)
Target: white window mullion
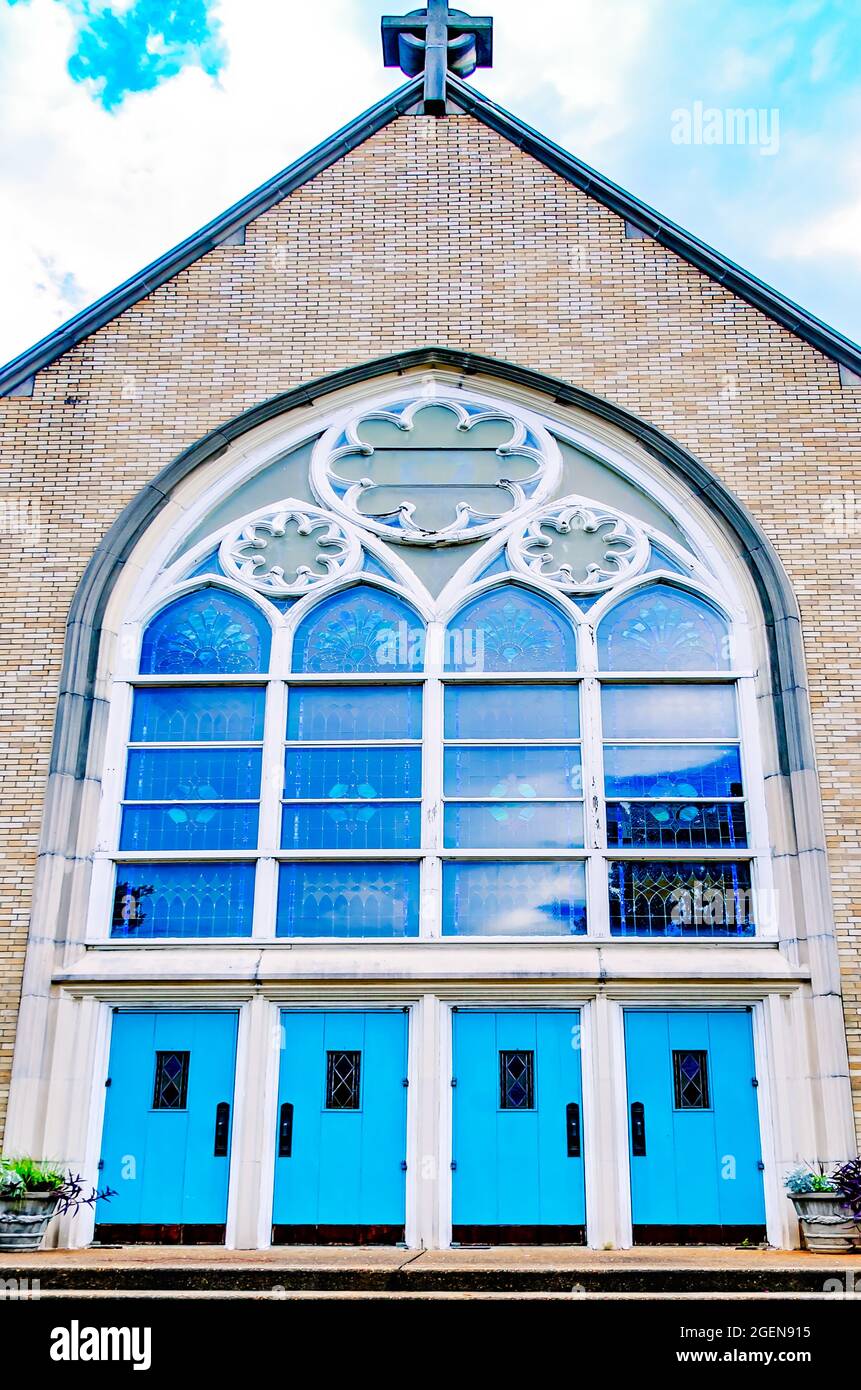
(598,905)
(430,922)
(271,787)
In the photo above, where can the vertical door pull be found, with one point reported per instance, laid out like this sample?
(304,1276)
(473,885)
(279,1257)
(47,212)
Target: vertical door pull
(222,1129)
(638,1129)
(285,1131)
(572,1128)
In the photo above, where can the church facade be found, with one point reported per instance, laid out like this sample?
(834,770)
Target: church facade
(431,761)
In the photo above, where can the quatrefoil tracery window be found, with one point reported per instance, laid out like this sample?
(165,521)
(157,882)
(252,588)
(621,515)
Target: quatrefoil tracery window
(349,783)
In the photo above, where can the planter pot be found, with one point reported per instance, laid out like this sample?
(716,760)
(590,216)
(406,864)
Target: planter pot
(23,1224)
(826,1225)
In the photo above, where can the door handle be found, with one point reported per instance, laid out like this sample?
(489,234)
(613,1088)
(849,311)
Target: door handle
(572,1129)
(222,1129)
(285,1131)
(638,1129)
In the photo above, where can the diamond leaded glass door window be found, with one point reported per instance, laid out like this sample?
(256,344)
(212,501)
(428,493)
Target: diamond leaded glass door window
(691,1080)
(517,1080)
(343,1076)
(171,1080)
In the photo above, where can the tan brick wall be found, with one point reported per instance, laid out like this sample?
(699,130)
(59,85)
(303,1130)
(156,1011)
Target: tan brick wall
(433,232)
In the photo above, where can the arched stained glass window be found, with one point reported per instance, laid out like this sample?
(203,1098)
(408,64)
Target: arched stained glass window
(360,629)
(207,632)
(662,628)
(510,629)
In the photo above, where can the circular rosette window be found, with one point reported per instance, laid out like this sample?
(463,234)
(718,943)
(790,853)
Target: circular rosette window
(438,470)
(289,549)
(579,548)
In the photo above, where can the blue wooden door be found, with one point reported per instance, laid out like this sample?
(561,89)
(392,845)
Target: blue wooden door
(696,1170)
(166,1136)
(340,1166)
(517,1150)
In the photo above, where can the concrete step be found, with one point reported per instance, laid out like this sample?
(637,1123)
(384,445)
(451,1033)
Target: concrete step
(424,1275)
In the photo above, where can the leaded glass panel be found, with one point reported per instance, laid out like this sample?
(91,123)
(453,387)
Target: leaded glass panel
(510,898)
(691,1080)
(170,1088)
(517,1080)
(513,825)
(203,714)
(665,770)
(343,1080)
(193,774)
(663,628)
(207,632)
(510,628)
(349,899)
(673,711)
(188,827)
(676,825)
(349,714)
(352,825)
(681,899)
(510,773)
(163,900)
(361,629)
(353,773)
(519,712)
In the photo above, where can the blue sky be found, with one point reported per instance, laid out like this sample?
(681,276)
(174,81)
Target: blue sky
(128,124)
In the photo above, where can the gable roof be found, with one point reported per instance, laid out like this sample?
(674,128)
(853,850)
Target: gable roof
(406,98)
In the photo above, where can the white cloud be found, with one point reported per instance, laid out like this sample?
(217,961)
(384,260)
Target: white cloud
(836,233)
(98,194)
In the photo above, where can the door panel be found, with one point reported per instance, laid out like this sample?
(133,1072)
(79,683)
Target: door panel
(342,1177)
(167,1128)
(517,1128)
(694,1126)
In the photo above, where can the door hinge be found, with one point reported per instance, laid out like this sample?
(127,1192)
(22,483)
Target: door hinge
(754,1083)
(406,1081)
(761,1166)
(403,1165)
(453,1164)
(101,1165)
(454,1081)
(108,1081)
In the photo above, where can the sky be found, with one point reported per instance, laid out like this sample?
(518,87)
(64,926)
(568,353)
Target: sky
(127,124)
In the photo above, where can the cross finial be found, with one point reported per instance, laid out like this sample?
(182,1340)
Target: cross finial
(437,40)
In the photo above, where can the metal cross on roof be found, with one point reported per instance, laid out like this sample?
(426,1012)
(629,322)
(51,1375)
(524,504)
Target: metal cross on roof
(437,40)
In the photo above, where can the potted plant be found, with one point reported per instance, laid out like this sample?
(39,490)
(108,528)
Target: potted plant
(31,1191)
(828,1206)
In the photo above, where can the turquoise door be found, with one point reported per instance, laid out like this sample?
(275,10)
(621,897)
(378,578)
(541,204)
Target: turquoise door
(166,1136)
(340,1166)
(696,1170)
(517,1150)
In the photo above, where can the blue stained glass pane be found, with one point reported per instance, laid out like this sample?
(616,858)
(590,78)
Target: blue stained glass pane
(363,774)
(155,900)
(669,711)
(513,773)
(331,714)
(193,774)
(512,711)
(189,827)
(510,629)
(662,628)
(663,770)
(208,632)
(345,899)
(676,825)
(204,714)
(362,629)
(681,899)
(513,825)
(543,898)
(352,825)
